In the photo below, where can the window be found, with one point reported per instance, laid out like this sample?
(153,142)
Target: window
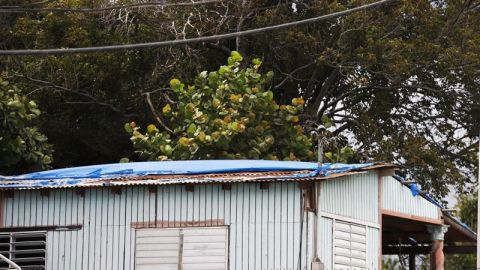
(190,248)
(27,249)
(349,246)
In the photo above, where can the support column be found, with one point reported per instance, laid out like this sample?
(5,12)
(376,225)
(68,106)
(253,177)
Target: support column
(411,261)
(437,234)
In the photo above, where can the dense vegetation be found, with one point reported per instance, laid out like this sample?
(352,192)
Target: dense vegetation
(22,146)
(400,83)
(225,114)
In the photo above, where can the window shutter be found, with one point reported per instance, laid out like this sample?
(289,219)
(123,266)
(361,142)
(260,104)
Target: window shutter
(182,248)
(350,246)
(27,249)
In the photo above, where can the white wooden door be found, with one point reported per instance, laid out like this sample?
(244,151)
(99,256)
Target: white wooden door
(181,248)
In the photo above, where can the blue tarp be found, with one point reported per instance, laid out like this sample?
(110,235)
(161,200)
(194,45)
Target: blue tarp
(186,167)
(415,191)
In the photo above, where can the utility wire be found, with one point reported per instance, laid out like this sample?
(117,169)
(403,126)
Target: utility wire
(137,46)
(16,9)
(28,4)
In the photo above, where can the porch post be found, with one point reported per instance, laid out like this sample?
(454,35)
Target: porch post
(437,233)
(411,261)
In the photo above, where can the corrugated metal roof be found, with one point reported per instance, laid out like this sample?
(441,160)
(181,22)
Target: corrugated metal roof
(258,171)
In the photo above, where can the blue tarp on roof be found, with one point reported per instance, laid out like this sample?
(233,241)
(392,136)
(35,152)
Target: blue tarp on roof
(185,167)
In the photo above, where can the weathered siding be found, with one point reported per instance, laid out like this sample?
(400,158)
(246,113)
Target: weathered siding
(397,197)
(373,248)
(353,196)
(352,199)
(325,247)
(265,228)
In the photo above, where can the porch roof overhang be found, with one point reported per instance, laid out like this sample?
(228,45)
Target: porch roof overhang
(409,235)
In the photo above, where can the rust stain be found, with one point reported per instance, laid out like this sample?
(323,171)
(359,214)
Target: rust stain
(176,223)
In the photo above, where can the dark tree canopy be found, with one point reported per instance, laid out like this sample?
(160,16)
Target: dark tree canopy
(400,83)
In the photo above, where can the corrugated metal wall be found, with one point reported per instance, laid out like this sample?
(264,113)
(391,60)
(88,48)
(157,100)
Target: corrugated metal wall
(325,246)
(265,224)
(373,248)
(397,197)
(353,196)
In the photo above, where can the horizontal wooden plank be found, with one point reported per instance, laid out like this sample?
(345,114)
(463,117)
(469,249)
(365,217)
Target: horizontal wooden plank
(345,252)
(157,267)
(197,246)
(342,235)
(210,266)
(343,260)
(158,240)
(204,239)
(342,227)
(204,260)
(341,267)
(358,246)
(156,253)
(205,231)
(342,243)
(358,238)
(156,260)
(358,262)
(361,230)
(156,232)
(204,252)
(156,246)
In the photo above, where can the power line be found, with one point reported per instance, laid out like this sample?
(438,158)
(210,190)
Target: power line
(16,9)
(28,4)
(137,46)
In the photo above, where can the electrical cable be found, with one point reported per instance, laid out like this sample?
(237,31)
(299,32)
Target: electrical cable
(157,44)
(17,9)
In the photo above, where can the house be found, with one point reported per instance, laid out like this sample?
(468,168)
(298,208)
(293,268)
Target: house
(221,214)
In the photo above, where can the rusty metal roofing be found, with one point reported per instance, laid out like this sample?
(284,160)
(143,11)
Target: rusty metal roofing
(262,175)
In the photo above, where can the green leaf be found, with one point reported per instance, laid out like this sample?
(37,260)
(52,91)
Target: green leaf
(257,62)
(166,109)
(235,57)
(176,85)
(152,129)
(191,129)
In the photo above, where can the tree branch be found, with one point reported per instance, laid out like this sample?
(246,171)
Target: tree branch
(156,114)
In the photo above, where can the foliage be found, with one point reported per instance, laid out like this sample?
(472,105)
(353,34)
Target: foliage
(229,113)
(460,262)
(391,264)
(399,83)
(468,214)
(468,210)
(22,146)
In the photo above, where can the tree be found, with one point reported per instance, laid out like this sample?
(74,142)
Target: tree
(468,214)
(229,113)
(400,83)
(22,146)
